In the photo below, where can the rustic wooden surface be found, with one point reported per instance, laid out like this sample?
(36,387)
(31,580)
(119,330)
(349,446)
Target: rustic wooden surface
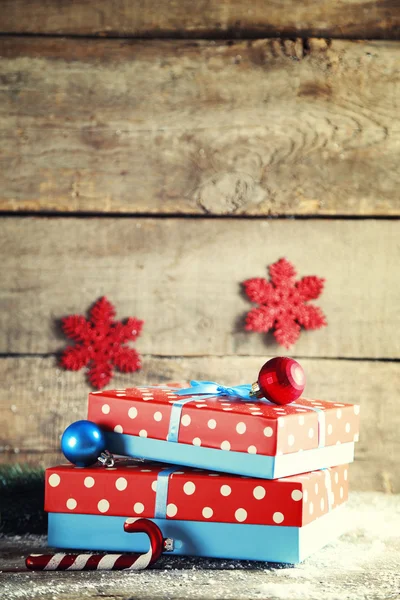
(208,18)
(39,400)
(276,126)
(183,278)
(285,126)
(363,563)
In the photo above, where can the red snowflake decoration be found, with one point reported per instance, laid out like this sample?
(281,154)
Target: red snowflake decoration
(100,343)
(283,303)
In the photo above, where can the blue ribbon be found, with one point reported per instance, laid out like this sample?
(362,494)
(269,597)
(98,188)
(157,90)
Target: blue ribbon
(321,422)
(216,389)
(162,493)
(175,419)
(328,485)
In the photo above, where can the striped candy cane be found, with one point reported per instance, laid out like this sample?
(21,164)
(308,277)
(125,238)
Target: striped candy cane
(107,562)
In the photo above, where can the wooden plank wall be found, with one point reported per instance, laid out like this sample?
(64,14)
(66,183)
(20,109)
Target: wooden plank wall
(162,152)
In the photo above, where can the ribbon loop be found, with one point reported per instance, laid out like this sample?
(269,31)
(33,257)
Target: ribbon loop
(216,389)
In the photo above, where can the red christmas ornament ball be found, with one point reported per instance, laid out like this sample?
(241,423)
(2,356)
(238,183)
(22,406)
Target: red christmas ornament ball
(281,380)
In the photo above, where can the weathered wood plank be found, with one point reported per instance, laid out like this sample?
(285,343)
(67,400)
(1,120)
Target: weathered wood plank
(183,276)
(256,128)
(38,400)
(30,459)
(208,18)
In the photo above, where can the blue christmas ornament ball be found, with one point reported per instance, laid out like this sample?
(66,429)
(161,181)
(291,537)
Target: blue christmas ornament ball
(82,443)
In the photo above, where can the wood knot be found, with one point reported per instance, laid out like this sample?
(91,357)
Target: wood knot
(225,193)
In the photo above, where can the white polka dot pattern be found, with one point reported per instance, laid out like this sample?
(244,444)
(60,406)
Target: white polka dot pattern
(186,420)
(245,426)
(132,412)
(121,484)
(71,504)
(189,488)
(172,510)
(241,427)
(195,494)
(54,480)
(259,492)
(241,515)
(138,508)
(278,517)
(103,506)
(297,495)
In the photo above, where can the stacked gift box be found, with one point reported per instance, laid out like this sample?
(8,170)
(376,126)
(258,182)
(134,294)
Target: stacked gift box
(220,474)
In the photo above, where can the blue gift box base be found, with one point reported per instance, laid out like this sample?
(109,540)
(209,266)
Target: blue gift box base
(193,538)
(238,463)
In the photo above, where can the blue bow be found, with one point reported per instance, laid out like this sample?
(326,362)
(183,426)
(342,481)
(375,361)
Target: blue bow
(215,389)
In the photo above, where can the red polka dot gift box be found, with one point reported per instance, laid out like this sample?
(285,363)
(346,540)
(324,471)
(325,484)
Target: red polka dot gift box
(205,513)
(253,438)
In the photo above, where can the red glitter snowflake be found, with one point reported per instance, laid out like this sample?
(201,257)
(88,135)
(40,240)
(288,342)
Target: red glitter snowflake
(283,303)
(100,343)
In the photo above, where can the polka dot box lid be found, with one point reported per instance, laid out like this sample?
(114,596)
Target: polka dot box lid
(130,490)
(226,423)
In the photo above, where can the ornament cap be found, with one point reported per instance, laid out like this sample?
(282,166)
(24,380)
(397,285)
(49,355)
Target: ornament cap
(168,545)
(255,391)
(106,459)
